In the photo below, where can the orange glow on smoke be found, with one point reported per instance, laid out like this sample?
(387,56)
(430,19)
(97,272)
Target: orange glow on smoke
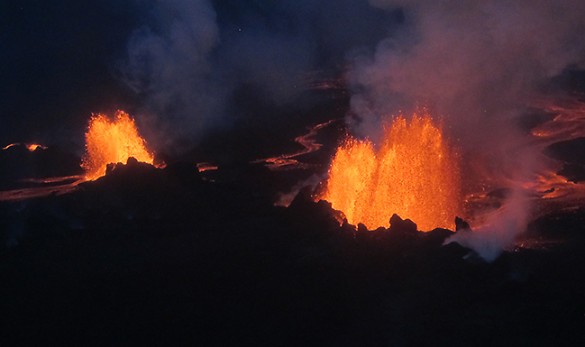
(112,141)
(413,173)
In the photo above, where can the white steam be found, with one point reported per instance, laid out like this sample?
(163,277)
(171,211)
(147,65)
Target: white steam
(475,64)
(503,227)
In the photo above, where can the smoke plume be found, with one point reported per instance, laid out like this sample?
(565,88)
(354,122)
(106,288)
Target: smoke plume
(190,59)
(476,64)
(169,64)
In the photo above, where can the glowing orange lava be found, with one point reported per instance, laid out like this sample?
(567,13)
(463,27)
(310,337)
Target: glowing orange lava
(34,146)
(112,141)
(414,173)
(30,146)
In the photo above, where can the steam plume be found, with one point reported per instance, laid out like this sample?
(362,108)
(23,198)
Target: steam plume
(170,65)
(476,63)
(191,57)
(505,224)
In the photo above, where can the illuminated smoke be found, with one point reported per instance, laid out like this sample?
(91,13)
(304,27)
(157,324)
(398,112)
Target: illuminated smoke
(477,64)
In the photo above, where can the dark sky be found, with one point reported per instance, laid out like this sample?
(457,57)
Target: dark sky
(179,66)
(62,60)
(57,65)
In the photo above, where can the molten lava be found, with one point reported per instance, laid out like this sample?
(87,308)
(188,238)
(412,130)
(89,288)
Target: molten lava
(413,173)
(309,145)
(34,146)
(30,146)
(112,141)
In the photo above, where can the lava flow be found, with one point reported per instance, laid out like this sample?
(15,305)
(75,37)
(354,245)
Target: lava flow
(112,141)
(554,191)
(30,146)
(107,141)
(414,173)
(288,161)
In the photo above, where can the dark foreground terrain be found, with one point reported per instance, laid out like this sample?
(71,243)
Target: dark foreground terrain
(155,256)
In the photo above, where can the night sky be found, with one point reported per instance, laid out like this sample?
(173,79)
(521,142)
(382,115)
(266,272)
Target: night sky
(185,69)
(62,60)
(58,65)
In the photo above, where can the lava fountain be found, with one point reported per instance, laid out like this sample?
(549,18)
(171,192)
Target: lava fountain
(112,141)
(413,173)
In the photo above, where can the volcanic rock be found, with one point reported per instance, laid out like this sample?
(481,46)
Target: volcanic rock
(198,252)
(302,199)
(437,236)
(18,163)
(573,172)
(361,228)
(132,165)
(183,171)
(572,154)
(306,209)
(461,224)
(398,224)
(571,151)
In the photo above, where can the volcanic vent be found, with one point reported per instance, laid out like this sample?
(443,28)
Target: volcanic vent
(112,141)
(414,172)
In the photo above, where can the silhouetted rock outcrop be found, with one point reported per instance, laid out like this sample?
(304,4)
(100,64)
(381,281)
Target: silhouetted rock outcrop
(461,224)
(361,228)
(398,224)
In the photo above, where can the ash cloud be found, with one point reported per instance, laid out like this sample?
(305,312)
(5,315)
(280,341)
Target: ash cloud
(476,64)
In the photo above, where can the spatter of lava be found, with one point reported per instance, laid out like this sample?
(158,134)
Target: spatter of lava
(112,141)
(413,173)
